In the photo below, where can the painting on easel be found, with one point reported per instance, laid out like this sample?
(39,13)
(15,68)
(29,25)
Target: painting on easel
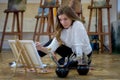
(46,3)
(17,4)
(49,2)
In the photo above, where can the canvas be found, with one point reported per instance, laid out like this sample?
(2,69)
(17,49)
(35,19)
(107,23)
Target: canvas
(30,49)
(46,3)
(76,5)
(99,3)
(17,4)
(40,10)
(49,2)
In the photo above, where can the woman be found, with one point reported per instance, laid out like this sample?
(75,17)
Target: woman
(71,37)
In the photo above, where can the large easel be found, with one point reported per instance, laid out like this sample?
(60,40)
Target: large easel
(100,31)
(40,28)
(14,31)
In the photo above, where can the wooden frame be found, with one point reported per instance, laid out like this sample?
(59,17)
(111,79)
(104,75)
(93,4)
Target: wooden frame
(41,19)
(25,52)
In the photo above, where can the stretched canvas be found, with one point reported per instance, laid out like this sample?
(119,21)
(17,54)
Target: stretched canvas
(31,50)
(75,5)
(49,2)
(46,10)
(17,4)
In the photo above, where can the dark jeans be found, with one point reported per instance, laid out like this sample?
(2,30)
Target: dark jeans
(74,64)
(64,51)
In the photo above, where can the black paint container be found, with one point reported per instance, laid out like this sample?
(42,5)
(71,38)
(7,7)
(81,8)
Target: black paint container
(83,69)
(62,72)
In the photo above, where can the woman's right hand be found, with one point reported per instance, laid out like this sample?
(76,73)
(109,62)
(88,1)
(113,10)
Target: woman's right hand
(38,46)
(41,48)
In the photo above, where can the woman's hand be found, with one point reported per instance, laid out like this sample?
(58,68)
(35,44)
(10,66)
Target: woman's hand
(79,59)
(38,46)
(41,48)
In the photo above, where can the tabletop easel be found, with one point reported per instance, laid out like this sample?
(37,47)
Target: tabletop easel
(26,54)
(100,31)
(77,6)
(41,20)
(19,25)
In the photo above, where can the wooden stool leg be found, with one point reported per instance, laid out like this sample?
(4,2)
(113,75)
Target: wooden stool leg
(22,22)
(43,26)
(90,17)
(18,26)
(35,31)
(13,23)
(40,28)
(48,27)
(50,23)
(109,31)
(4,30)
(100,29)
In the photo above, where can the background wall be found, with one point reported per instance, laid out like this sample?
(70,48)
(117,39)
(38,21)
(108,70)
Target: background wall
(32,9)
(29,14)
(118,9)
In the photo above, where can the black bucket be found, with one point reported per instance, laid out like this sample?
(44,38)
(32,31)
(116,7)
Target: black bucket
(83,69)
(62,72)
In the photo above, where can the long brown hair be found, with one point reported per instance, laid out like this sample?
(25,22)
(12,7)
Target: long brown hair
(69,12)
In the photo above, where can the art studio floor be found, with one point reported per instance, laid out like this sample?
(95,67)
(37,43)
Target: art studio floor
(104,67)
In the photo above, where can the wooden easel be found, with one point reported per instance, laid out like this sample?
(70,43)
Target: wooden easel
(18,28)
(24,57)
(26,54)
(77,6)
(99,31)
(40,22)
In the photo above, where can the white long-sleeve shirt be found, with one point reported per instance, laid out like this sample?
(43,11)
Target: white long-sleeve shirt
(74,37)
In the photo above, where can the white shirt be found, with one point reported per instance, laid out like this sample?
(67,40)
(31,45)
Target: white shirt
(74,37)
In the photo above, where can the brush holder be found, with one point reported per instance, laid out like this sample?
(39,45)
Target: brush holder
(82,69)
(62,72)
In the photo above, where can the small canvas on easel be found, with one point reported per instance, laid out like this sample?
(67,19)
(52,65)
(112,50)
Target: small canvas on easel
(30,50)
(46,3)
(17,4)
(49,2)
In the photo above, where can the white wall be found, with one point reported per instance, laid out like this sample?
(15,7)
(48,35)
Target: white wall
(30,22)
(28,1)
(113,10)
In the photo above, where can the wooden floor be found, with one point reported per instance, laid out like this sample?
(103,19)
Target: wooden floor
(104,67)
